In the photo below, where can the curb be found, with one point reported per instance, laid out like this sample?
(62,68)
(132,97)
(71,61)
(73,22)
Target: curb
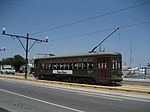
(79,85)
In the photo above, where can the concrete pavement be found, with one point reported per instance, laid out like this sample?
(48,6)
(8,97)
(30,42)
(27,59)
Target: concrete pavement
(125,88)
(28,96)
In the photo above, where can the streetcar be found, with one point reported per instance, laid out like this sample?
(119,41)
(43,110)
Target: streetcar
(96,67)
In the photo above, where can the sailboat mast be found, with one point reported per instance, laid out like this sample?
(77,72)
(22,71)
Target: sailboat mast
(130,52)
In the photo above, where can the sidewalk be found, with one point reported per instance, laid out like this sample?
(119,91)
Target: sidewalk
(138,80)
(20,76)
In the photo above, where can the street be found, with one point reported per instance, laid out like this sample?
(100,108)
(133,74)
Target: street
(27,96)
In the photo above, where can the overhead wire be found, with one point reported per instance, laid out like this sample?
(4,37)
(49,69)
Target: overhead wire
(85,34)
(87,20)
(81,35)
(83,20)
(100,31)
(91,18)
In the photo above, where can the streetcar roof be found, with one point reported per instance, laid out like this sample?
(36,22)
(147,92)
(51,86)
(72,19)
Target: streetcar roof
(81,55)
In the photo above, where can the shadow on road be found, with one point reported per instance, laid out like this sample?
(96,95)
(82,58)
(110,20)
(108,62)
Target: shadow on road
(3,110)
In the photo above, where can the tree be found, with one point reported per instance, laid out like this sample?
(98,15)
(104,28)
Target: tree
(7,61)
(17,61)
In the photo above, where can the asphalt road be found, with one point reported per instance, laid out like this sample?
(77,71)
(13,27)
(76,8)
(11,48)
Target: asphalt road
(26,96)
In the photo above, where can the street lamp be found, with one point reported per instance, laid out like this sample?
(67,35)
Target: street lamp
(46,39)
(3,49)
(4,30)
(26,48)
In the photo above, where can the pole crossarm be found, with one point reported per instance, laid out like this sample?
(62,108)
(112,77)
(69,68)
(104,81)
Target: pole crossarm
(32,45)
(26,48)
(2,49)
(21,43)
(24,37)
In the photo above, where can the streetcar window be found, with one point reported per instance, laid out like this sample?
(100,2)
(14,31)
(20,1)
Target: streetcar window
(105,65)
(61,66)
(58,65)
(99,65)
(55,66)
(84,65)
(46,66)
(79,65)
(119,65)
(42,66)
(49,66)
(75,66)
(102,65)
(66,66)
(70,66)
(115,64)
(90,65)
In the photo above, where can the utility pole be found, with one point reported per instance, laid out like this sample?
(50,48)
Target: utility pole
(2,49)
(27,49)
(27,44)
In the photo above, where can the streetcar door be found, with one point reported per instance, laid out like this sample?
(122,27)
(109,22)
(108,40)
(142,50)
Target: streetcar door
(103,68)
(116,68)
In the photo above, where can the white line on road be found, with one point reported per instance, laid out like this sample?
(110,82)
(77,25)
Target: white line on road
(57,105)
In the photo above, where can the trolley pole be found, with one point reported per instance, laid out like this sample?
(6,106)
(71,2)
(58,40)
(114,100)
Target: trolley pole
(103,41)
(27,48)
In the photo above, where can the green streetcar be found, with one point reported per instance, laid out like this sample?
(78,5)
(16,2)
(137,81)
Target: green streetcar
(96,67)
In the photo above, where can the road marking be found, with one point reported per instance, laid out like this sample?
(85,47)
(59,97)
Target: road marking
(57,105)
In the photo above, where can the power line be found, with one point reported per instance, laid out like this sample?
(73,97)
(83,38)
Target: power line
(90,33)
(83,20)
(100,31)
(81,35)
(136,24)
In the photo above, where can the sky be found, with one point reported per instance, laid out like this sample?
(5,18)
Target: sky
(61,21)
